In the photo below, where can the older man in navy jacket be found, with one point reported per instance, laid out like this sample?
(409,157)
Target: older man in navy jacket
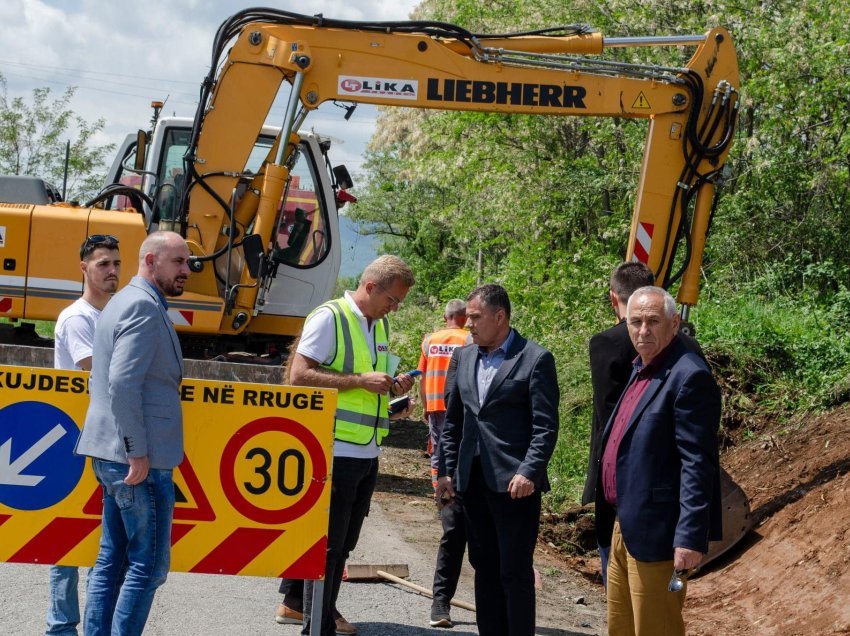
(658,497)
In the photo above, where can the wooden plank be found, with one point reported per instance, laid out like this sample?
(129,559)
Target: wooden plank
(369,571)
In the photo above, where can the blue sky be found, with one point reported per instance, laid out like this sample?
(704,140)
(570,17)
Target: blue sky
(122,55)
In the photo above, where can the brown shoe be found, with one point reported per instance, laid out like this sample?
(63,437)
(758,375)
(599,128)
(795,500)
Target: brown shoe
(344,628)
(288,616)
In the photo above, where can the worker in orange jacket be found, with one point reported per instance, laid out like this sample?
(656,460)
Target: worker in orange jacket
(437,351)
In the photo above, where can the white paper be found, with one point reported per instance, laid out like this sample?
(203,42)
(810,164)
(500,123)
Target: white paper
(392,364)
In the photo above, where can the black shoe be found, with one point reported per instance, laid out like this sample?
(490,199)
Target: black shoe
(440,615)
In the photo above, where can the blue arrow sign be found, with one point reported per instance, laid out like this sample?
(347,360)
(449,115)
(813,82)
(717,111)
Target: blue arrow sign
(38,468)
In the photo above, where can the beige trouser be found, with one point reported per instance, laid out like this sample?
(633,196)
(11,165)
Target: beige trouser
(638,601)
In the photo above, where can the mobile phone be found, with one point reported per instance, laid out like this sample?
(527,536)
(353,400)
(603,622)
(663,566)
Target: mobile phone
(399,404)
(412,374)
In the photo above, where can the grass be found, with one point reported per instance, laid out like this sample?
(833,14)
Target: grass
(43,328)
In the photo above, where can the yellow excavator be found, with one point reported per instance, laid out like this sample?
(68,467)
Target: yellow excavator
(228,183)
(261,262)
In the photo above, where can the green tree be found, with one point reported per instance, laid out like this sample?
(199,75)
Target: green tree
(542,204)
(33,135)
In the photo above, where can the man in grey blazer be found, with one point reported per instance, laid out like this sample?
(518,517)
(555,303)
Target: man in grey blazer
(500,431)
(134,434)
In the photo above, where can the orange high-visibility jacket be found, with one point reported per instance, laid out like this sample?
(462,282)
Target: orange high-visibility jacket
(437,351)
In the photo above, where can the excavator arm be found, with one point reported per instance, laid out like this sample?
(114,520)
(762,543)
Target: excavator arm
(691,111)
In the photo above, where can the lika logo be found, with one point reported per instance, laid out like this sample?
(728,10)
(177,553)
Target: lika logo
(383,347)
(379,86)
(350,85)
(441,350)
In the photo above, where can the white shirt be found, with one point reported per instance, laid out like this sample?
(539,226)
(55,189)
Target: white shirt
(318,342)
(74,335)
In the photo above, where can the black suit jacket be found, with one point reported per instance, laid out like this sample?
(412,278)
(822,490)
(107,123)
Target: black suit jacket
(668,468)
(516,427)
(611,357)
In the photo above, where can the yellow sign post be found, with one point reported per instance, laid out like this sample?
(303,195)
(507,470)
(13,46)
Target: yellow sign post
(252,492)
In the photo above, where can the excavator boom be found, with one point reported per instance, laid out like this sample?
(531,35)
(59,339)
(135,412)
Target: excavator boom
(691,111)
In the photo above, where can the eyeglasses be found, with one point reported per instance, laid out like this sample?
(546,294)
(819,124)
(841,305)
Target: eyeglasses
(97,240)
(393,300)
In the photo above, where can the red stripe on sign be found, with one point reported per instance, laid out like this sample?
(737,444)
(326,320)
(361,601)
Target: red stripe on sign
(641,253)
(4,519)
(236,551)
(311,564)
(649,228)
(189,316)
(5,304)
(179,530)
(55,540)
(94,506)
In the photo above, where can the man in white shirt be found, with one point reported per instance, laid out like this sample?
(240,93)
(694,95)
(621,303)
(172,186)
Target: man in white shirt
(100,264)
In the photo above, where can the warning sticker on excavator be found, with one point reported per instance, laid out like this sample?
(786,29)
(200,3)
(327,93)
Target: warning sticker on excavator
(252,492)
(641,101)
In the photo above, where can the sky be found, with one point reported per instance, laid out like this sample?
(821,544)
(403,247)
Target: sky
(121,55)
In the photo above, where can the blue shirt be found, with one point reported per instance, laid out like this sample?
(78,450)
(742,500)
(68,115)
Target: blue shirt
(488,364)
(156,291)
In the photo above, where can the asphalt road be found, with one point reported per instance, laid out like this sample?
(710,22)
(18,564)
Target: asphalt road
(190,604)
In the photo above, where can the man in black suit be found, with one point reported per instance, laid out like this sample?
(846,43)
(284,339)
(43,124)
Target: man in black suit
(611,356)
(500,431)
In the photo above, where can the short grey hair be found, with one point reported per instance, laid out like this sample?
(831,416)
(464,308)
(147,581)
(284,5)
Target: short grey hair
(454,307)
(669,303)
(387,269)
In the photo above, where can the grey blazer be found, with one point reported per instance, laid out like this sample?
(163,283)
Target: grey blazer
(517,426)
(137,367)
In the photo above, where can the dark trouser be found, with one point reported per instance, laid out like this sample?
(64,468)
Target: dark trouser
(351,491)
(293,593)
(450,552)
(502,535)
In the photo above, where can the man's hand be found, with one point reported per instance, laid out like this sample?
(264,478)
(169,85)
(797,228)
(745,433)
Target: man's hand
(685,559)
(402,384)
(376,382)
(444,489)
(139,468)
(520,487)
(403,415)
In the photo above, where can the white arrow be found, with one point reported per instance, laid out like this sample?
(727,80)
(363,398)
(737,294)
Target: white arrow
(10,472)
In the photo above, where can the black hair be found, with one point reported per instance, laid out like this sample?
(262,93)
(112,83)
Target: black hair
(493,296)
(629,277)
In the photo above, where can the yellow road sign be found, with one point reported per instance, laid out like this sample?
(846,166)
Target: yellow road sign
(252,492)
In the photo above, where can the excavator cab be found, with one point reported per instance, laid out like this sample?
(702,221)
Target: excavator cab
(305,248)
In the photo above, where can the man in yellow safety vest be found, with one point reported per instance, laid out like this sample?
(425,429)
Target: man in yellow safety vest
(345,346)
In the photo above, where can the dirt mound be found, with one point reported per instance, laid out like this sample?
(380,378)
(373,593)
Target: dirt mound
(791,575)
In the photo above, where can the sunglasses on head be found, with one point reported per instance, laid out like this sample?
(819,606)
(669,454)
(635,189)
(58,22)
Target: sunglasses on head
(97,240)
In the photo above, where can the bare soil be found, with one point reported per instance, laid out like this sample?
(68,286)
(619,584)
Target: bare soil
(790,576)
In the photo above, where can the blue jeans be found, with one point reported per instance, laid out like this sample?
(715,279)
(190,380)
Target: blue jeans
(136,527)
(63,613)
